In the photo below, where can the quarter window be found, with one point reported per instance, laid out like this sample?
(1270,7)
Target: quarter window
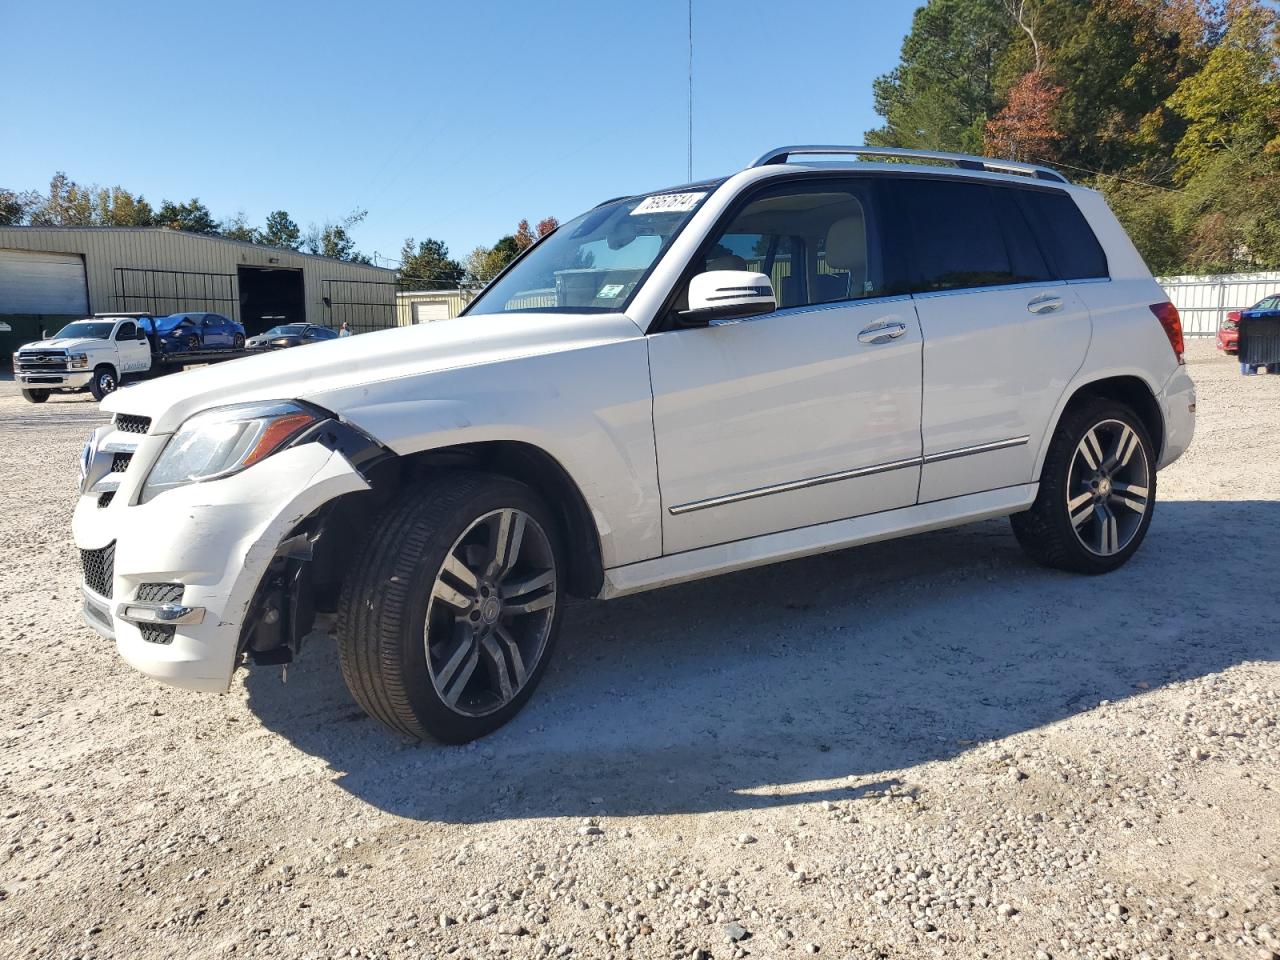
(1064,234)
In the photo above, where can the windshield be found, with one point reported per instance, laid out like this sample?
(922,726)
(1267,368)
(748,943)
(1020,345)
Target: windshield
(288,330)
(88,329)
(593,264)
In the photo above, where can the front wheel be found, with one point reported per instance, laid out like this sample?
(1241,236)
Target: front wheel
(238,343)
(448,618)
(35,396)
(103,382)
(1097,491)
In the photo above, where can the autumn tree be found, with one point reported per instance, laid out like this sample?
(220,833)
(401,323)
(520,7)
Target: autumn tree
(1025,128)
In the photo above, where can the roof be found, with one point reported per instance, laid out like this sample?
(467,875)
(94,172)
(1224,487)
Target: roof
(187,234)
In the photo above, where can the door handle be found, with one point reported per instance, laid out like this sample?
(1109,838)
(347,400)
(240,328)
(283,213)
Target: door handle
(882,331)
(1046,304)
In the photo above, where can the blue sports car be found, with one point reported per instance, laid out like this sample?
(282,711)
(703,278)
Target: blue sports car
(188,332)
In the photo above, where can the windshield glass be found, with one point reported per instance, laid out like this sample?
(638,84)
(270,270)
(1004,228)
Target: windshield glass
(288,330)
(593,264)
(89,329)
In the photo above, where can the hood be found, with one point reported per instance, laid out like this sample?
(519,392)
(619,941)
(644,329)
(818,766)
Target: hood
(398,353)
(63,343)
(167,324)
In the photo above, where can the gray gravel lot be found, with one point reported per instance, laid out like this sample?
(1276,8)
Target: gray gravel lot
(927,748)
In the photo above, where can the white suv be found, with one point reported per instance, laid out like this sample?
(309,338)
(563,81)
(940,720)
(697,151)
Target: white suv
(797,358)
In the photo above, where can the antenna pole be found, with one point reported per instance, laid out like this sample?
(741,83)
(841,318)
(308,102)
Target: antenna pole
(690,171)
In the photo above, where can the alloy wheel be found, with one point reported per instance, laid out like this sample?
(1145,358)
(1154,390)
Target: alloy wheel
(491,611)
(106,382)
(1108,487)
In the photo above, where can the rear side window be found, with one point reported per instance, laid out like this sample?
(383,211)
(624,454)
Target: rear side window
(1065,237)
(967,234)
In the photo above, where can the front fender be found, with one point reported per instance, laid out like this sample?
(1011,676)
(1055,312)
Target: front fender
(590,409)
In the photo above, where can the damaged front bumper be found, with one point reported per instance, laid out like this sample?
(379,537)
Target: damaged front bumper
(176,577)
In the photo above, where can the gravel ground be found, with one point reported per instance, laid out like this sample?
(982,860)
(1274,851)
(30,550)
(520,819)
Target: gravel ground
(927,748)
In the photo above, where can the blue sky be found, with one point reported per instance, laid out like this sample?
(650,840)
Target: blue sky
(450,120)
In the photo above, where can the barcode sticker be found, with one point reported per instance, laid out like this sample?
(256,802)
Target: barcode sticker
(668,203)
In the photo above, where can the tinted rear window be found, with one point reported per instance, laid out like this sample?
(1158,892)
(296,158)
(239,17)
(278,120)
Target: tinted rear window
(967,234)
(1065,236)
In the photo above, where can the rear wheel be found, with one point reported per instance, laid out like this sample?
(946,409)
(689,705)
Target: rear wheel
(239,341)
(448,619)
(35,396)
(1097,491)
(103,382)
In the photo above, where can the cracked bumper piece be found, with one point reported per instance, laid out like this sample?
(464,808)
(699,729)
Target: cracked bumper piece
(215,539)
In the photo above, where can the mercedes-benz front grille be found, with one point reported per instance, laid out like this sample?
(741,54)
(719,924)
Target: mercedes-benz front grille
(99,569)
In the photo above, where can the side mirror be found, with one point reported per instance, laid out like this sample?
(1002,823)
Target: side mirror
(727,295)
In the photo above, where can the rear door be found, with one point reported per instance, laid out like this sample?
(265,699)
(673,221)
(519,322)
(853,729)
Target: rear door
(801,416)
(1002,334)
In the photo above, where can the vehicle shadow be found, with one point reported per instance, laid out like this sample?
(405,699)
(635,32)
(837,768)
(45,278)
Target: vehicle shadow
(806,680)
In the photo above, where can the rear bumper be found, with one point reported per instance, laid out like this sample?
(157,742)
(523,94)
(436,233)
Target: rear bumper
(1178,404)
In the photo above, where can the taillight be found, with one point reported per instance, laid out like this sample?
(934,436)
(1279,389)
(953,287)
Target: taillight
(1167,314)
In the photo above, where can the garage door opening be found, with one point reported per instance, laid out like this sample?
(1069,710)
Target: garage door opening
(270,297)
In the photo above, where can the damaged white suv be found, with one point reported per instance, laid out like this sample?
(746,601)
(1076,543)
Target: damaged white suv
(797,358)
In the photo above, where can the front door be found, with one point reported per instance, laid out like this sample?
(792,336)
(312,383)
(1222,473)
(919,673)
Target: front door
(801,416)
(132,348)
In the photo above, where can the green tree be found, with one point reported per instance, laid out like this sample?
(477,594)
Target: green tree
(1233,104)
(428,264)
(335,240)
(192,217)
(16,206)
(239,228)
(944,89)
(281,231)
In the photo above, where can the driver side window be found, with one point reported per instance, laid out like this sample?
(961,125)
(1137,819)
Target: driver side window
(127,331)
(816,240)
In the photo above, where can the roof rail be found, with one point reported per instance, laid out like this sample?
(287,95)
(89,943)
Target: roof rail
(962,160)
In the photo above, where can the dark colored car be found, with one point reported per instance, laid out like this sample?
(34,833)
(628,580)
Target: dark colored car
(291,335)
(188,332)
(1229,332)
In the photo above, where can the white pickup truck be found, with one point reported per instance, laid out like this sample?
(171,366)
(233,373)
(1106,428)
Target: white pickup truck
(99,354)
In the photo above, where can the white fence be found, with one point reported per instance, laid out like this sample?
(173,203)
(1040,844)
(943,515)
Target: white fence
(1203,302)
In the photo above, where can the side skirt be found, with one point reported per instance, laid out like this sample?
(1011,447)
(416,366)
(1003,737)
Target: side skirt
(820,538)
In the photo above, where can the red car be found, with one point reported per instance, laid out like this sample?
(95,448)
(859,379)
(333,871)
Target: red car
(1229,332)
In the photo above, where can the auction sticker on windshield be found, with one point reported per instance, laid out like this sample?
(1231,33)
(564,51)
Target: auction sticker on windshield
(668,203)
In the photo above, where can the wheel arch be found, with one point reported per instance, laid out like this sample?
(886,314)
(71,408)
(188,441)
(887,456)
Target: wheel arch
(1130,389)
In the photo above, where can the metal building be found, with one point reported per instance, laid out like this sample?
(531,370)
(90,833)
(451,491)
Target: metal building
(49,275)
(424,306)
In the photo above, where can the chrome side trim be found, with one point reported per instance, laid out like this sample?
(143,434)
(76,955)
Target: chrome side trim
(979,448)
(792,485)
(97,613)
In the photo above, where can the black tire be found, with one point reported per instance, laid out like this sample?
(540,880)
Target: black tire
(383,607)
(193,343)
(104,381)
(1046,532)
(238,343)
(35,396)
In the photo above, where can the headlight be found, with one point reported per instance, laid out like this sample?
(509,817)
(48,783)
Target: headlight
(79,360)
(226,440)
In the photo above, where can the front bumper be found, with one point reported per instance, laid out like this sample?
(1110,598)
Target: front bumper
(215,539)
(53,380)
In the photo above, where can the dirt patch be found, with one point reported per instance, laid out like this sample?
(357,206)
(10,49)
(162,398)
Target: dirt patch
(912,749)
